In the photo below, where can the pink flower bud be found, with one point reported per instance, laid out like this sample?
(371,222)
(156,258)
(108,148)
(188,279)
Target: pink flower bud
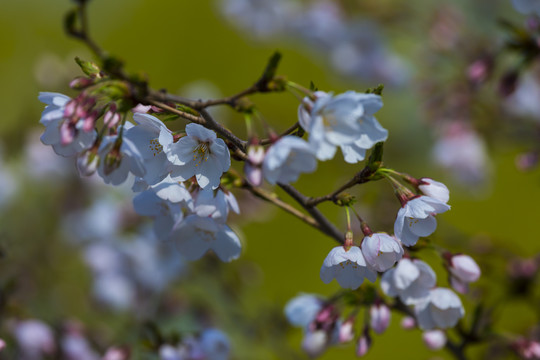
(314,342)
(379,315)
(111,118)
(253,174)
(80,83)
(408,323)
(142,109)
(89,121)
(434,339)
(528,349)
(67,133)
(434,189)
(2,344)
(256,155)
(363,345)
(464,268)
(69,110)
(346,330)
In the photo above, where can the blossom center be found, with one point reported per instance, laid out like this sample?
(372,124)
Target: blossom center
(201,152)
(155,147)
(347,263)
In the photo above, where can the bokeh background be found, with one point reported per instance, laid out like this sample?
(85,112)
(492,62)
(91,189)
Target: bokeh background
(420,50)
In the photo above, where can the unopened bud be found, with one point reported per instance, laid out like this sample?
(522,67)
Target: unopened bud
(89,121)
(80,83)
(89,68)
(363,344)
(346,330)
(315,342)
(112,161)
(434,189)
(408,323)
(117,353)
(434,339)
(88,162)
(379,315)
(67,133)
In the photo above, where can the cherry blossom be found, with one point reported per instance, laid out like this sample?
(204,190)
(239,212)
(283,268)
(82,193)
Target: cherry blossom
(287,159)
(201,154)
(411,280)
(463,270)
(195,235)
(348,267)
(118,161)
(151,136)
(345,120)
(53,119)
(416,218)
(441,309)
(434,189)
(381,251)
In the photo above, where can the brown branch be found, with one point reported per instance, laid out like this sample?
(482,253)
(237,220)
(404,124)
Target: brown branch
(326,226)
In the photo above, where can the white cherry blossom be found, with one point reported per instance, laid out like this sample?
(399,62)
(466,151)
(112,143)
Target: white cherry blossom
(381,251)
(441,309)
(151,136)
(411,280)
(166,214)
(345,120)
(416,218)
(195,235)
(201,154)
(215,204)
(434,189)
(349,268)
(287,159)
(53,119)
(463,270)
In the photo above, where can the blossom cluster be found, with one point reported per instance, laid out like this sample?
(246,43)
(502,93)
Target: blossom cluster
(194,219)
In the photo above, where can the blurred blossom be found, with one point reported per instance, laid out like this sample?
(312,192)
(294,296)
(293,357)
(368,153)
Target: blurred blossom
(347,266)
(35,339)
(524,100)
(42,162)
(354,47)
(527,6)
(408,323)
(116,353)
(462,152)
(527,161)
(114,290)
(463,270)
(215,344)
(102,220)
(441,309)
(76,347)
(379,315)
(302,309)
(434,339)
(528,349)
(411,280)
(363,345)
(315,342)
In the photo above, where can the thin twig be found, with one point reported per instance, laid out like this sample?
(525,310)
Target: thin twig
(326,226)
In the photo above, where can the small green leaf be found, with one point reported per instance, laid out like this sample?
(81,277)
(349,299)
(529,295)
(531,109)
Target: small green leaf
(89,68)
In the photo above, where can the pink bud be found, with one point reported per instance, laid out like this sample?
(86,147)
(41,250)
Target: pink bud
(314,342)
(89,121)
(346,330)
(408,323)
(67,133)
(80,83)
(111,119)
(69,110)
(464,268)
(2,344)
(363,345)
(379,317)
(116,353)
(458,285)
(142,109)
(253,174)
(256,155)
(434,339)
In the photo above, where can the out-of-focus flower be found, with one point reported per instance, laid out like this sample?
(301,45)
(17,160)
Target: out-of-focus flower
(416,219)
(34,338)
(215,204)
(253,165)
(215,344)
(434,339)
(303,309)
(118,160)
(408,323)
(201,154)
(287,159)
(381,251)
(528,349)
(411,280)
(75,346)
(463,270)
(346,330)
(315,342)
(441,309)
(195,235)
(117,353)
(461,151)
(527,6)
(379,317)
(348,267)
(363,345)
